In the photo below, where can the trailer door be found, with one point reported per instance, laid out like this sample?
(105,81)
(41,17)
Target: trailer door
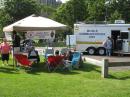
(114,34)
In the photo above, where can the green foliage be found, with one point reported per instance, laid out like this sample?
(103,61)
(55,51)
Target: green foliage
(96,10)
(18,9)
(47,10)
(4,20)
(71,12)
(79,10)
(15,10)
(119,9)
(123,7)
(115,16)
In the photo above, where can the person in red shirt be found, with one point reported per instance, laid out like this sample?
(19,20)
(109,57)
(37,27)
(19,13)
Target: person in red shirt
(5,49)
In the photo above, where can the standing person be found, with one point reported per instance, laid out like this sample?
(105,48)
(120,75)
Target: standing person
(5,49)
(108,45)
(16,42)
(16,45)
(119,43)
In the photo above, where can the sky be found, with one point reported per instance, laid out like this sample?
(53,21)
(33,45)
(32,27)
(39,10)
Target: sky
(64,1)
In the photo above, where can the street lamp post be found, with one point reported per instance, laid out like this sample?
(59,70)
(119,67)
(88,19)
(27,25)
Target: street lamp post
(106,9)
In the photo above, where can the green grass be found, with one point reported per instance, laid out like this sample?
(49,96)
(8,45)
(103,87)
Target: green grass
(86,82)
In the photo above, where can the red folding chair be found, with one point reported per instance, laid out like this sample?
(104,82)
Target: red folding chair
(53,62)
(23,60)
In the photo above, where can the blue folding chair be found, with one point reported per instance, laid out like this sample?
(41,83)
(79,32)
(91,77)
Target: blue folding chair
(75,61)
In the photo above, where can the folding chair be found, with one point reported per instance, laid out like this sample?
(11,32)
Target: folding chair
(63,51)
(23,60)
(48,52)
(75,61)
(34,56)
(53,62)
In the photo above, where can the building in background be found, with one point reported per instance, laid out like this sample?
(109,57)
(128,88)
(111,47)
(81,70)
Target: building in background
(48,2)
(59,2)
(2,3)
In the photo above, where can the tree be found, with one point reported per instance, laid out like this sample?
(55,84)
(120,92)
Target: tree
(119,9)
(47,11)
(71,12)
(15,10)
(115,16)
(18,9)
(96,10)
(123,7)
(4,20)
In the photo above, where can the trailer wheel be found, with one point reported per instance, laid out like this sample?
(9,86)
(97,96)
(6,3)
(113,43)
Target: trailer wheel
(91,50)
(101,51)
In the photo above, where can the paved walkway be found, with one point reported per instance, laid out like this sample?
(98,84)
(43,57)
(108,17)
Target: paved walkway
(112,59)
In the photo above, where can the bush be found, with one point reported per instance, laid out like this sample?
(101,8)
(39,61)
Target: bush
(55,44)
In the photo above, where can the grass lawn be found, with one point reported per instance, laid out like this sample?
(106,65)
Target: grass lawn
(86,82)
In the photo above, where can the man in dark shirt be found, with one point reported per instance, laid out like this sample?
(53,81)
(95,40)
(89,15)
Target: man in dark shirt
(119,43)
(16,42)
(16,45)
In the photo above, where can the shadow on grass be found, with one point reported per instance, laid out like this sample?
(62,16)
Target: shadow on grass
(8,70)
(86,67)
(66,72)
(38,68)
(42,68)
(119,78)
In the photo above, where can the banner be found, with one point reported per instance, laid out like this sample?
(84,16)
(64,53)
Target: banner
(71,40)
(8,36)
(50,34)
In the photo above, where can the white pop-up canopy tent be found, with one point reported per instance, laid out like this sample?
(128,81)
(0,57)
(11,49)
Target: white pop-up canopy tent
(34,23)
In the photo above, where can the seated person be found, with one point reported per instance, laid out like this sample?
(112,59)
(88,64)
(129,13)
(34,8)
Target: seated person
(68,59)
(48,52)
(28,45)
(33,55)
(57,53)
(28,48)
(69,56)
(59,58)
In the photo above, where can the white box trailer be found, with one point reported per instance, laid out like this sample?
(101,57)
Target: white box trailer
(90,37)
